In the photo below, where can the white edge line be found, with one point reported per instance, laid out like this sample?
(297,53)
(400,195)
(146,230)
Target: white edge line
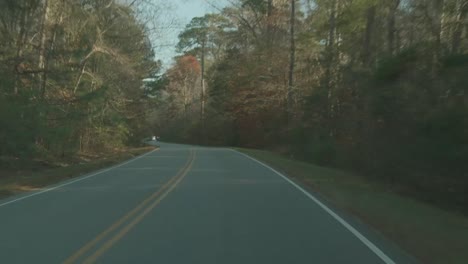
(74,181)
(364,240)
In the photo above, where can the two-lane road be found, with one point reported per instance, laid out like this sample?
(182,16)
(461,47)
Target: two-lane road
(183,204)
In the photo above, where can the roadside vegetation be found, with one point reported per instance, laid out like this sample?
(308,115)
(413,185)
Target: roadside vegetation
(431,234)
(71,77)
(19,176)
(378,88)
(72,95)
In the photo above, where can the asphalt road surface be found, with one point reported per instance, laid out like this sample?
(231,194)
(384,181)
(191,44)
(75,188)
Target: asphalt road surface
(184,204)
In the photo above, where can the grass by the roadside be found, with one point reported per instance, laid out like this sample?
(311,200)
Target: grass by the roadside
(430,234)
(33,175)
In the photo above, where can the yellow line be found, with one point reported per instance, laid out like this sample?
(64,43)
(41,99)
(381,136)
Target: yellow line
(127,216)
(109,243)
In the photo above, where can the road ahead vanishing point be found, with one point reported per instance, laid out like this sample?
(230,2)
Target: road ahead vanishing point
(184,204)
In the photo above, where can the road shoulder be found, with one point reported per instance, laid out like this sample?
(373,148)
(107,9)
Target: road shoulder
(429,233)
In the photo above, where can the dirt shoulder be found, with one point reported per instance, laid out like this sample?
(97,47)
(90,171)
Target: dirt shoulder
(17,176)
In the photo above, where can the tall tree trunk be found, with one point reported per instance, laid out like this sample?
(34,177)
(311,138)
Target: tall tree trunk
(292,53)
(330,53)
(269,21)
(438,31)
(51,46)
(411,31)
(398,41)
(185,91)
(367,47)
(391,25)
(203,95)
(330,43)
(462,10)
(43,48)
(331,67)
(19,48)
(269,8)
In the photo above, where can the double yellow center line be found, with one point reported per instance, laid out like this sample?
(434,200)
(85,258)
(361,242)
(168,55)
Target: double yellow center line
(121,227)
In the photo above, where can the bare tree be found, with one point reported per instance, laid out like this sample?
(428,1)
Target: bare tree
(292,54)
